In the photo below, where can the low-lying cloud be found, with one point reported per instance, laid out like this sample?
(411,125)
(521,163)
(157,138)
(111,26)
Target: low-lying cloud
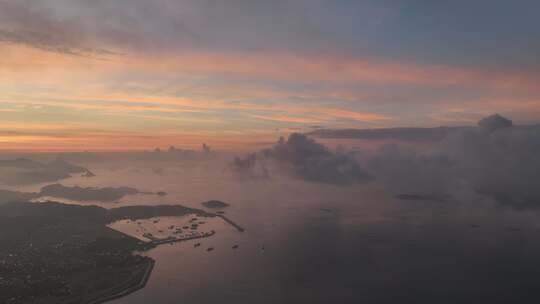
(174,154)
(495,159)
(306,159)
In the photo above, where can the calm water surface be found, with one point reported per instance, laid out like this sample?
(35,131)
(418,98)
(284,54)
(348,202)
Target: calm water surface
(313,243)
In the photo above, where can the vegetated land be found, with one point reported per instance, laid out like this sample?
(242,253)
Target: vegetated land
(215,204)
(106,194)
(57,253)
(87,194)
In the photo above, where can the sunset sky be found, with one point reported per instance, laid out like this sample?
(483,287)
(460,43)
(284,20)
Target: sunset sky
(136,74)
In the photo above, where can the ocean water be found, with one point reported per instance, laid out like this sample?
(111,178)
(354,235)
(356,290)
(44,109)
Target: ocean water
(315,243)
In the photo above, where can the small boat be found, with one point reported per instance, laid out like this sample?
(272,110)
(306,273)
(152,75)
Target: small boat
(235,247)
(197,245)
(210,249)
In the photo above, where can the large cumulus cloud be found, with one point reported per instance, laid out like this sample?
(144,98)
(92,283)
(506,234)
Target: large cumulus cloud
(495,159)
(306,159)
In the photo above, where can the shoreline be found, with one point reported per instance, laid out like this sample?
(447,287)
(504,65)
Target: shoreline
(151,262)
(149,268)
(158,242)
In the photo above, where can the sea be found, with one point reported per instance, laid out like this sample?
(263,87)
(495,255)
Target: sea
(308,242)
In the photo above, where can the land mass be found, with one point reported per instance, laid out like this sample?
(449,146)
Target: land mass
(57,253)
(215,204)
(22,171)
(106,194)
(87,194)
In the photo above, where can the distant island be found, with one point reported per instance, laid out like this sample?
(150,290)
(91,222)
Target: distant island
(87,194)
(60,253)
(106,194)
(23,171)
(214,204)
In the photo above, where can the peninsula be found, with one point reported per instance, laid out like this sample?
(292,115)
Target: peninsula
(58,253)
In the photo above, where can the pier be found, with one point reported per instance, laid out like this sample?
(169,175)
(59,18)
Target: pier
(235,225)
(156,241)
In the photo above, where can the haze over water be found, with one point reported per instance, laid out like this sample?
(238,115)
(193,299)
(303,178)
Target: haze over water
(325,243)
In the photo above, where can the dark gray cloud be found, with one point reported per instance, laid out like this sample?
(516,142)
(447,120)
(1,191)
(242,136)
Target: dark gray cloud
(406,134)
(494,122)
(251,166)
(413,32)
(34,25)
(93,28)
(304,158)
(494,159)
(175,154)
(50,43)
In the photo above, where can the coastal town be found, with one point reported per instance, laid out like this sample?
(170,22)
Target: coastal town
(61,253)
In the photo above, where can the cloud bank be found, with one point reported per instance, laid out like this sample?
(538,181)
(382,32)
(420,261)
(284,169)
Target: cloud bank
(306,159)
(495,159)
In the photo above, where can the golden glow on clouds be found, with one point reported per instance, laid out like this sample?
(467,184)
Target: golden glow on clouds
(52,101)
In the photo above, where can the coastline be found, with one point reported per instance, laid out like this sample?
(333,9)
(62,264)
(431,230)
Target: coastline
(151,263)
(140,285)
(152,244)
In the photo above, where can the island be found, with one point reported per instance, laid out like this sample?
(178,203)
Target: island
(214,204)
(22,171)
(76,193)
(88,193)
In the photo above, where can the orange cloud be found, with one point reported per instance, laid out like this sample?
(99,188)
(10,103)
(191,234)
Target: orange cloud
(23,61)
(183,94)
(328,69)
(285,118)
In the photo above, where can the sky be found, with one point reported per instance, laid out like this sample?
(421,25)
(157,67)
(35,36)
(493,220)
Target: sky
(136,74)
